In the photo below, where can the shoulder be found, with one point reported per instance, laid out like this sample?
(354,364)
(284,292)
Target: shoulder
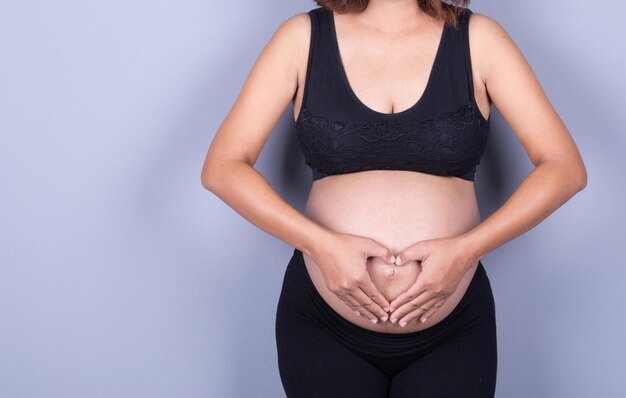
(295,30)
(485,28)
(486,33)
(290,38)
(482,28)
(488,39)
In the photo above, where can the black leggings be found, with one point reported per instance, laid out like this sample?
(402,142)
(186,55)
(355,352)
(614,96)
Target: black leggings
(321,354)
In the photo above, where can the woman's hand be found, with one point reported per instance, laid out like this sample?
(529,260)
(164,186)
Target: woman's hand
(342,260)
(444,261)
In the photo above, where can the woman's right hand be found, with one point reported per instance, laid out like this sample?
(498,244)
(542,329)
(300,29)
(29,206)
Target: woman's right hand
(342,259)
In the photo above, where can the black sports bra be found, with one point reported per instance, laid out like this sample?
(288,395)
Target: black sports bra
(444,133)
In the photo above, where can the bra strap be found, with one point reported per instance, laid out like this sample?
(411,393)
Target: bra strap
(313,15)
(465,19)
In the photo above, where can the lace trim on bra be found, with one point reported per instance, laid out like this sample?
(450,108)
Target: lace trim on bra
(451,144)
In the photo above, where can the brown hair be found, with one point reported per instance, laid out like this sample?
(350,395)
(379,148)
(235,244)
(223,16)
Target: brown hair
(435,8)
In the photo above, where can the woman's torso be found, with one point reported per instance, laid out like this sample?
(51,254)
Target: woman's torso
(359,188)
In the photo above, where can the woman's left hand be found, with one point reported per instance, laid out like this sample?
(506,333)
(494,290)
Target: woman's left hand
(444,261)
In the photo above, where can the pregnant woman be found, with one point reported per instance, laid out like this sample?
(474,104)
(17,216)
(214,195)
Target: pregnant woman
(385,294)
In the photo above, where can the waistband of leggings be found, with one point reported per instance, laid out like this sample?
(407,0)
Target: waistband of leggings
(335,319)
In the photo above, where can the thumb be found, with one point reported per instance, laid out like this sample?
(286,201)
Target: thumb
(416,251)
(377,249)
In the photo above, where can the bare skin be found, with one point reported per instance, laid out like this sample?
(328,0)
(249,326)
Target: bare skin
(355,225)
(403,208)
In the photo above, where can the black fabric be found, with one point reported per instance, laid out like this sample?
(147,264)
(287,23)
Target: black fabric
(322,354)
(443,133)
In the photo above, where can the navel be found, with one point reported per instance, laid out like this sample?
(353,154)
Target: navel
(391,271)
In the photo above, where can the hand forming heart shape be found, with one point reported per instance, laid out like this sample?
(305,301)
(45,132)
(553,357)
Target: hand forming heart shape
(441,264)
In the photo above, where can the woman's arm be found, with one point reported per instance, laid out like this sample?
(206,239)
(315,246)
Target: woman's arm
(559,171)
(229,173)
(228,170)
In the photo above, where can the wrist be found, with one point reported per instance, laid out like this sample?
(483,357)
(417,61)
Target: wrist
(317,240)
(472,246)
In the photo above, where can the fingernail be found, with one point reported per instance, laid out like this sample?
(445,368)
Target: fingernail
(375,320)
(386,309)
(393,259)
(357,313)
(393,320)
(383,318)
(392,309)
(403,323)
(423,320)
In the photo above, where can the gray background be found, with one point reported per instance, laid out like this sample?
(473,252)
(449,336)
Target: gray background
(120,276)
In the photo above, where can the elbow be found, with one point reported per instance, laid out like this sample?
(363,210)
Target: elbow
(208,176)
(209,179)
(580,176)
(215,173)
(582,180)
(206,180)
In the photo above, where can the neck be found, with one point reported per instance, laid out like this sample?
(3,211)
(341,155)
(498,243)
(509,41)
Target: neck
(392,16)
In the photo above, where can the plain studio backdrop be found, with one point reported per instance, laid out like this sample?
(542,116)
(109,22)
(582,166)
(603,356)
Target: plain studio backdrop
(121,276)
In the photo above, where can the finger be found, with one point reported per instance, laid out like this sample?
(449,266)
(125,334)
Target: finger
(422,309)
(411,305)
(370,290)
(411,293)
(355,305)
(369,303)
(432,310)
(416,251)
(379,250)
(364,307)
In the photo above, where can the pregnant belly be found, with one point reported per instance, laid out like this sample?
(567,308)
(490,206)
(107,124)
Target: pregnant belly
(392,280)
(396,208)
